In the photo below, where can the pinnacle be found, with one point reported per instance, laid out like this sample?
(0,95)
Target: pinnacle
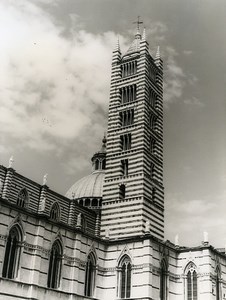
(117,46)
(144,35)
(158,55)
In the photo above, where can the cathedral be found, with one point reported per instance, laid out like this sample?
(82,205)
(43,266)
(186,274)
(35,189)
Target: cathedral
(105,238)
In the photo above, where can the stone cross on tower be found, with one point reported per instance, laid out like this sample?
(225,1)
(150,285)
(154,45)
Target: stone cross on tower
(138,22)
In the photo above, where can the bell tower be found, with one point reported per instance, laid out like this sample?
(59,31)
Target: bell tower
(133,193)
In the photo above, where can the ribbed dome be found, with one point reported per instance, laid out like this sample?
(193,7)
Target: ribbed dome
(88,187)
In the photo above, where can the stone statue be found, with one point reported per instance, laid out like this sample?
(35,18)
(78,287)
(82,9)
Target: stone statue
(11,160)
(45,179)
(205,237)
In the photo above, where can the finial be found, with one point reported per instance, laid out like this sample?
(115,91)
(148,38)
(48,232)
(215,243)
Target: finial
(45,179)
(11,160)
(158,55)
(104,141)
(138,22)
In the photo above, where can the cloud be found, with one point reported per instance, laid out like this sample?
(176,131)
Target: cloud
(203,212)
(53,88)
(194,101)
(175,78)
(188,52)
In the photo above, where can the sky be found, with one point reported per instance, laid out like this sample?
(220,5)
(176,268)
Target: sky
(55,60)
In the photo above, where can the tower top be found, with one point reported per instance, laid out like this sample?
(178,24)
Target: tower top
(138,22)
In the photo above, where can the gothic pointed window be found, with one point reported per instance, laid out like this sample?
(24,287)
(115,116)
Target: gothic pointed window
(218,284)
(152,98)
(124,277)
(124,167)
(152,121)
(55,263)
(103,164)
(90,275)
(127,117)
(12,253)
(55,212)
(122,191)
(128,94)
(163,281)
(96,164)
(129,68)
(152,145)
(191,284)
(126,141)
(22,198)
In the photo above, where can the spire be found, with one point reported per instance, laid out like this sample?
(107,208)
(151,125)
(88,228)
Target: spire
(138,22)
(117,46)
(158,55)
(135,45)
(144,34)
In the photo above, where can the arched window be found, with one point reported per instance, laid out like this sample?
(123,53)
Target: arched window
(122,191)
(87,202)
(103,164)
(55,263)
(191,285)
(218,284)
(12,253)
(22,198)
(163,281)
(90,275)
(124,278)
(80,202)
(96,164)
(94,202)
(55,212)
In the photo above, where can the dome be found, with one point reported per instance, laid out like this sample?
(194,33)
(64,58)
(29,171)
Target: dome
(88,187)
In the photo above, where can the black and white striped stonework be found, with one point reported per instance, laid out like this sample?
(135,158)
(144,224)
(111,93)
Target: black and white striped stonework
(135,135)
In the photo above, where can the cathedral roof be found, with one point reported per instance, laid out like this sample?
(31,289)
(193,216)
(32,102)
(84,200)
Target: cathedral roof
(135,46)
(88,187)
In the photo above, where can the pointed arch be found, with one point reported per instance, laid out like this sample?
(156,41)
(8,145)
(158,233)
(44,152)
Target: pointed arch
(191,285)
(22,198)
(218,278)
(90,274)
(124,277)
(12,252)
(55,212)
(163,279)
(19,224)
(55,264)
